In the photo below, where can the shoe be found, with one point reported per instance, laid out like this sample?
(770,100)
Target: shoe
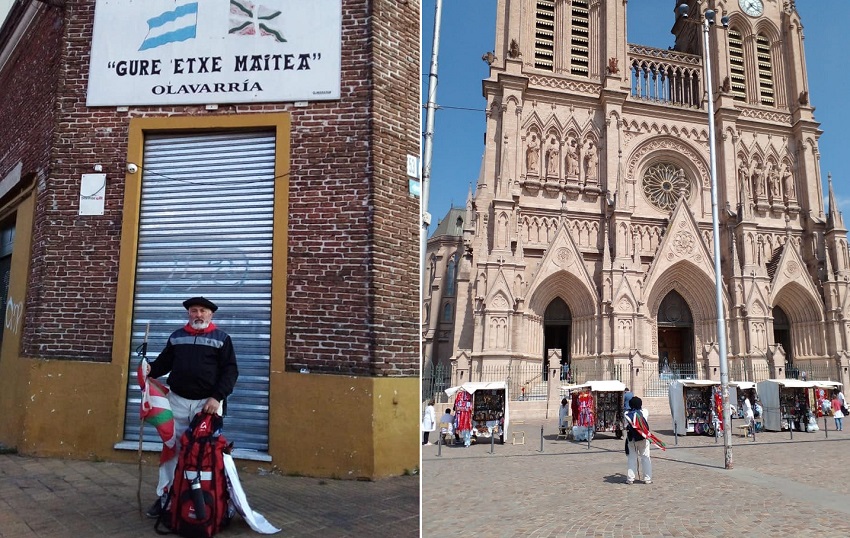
(630,482)
(155,509)
(647,481)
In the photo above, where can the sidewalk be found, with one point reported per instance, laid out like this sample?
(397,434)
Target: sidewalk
(778,486)
(41,497)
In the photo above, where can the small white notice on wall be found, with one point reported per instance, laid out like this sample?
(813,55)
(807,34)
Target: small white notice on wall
(92,194)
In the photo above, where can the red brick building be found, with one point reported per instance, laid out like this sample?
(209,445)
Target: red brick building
(292,214)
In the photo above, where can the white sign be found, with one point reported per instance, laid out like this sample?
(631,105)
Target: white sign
(413,166)
(92,194)
(414,187)
(163,52)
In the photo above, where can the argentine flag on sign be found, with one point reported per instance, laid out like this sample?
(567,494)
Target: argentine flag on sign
(172,26)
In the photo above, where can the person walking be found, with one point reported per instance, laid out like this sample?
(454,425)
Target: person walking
(201,364)
(563,413)
(429,421)
(637,445)
(837,414)
(748,415)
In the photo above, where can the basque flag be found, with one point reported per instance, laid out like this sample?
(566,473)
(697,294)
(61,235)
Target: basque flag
(639,423)
(172,26)
(247,18)
(156,410)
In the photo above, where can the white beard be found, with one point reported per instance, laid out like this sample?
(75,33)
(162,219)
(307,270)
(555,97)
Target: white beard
(200,325)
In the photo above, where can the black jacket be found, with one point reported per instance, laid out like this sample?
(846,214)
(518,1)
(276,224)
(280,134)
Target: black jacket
(202,364)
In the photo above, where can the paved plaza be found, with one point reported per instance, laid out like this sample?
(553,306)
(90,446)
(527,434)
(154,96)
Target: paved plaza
(42,497)
(778,486)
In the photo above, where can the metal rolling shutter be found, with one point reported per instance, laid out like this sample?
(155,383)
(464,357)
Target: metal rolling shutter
(205,228)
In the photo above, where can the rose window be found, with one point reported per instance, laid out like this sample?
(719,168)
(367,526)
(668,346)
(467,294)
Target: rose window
(663,185)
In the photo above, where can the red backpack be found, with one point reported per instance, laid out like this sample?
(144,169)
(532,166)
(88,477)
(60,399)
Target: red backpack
(198,500)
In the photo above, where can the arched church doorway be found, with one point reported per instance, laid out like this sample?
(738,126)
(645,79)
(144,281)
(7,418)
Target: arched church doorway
(675,337)
(782,335)
(557,323)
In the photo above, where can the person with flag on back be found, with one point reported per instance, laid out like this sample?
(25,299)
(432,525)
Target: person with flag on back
(201,364)
(638,442)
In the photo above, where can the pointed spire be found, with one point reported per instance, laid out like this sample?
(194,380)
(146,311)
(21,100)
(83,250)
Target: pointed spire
(834,218)
(829,271)
(619,195)
(606,247)
(736,264)
(636,250)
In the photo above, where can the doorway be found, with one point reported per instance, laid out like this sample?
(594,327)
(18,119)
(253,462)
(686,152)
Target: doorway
(557,325)
(675,338)
(782,335)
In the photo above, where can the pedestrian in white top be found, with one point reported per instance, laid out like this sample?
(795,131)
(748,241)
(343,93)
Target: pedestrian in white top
(749,416)
(429,421)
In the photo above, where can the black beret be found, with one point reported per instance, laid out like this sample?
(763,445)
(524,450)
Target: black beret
(635,403)
(199,301)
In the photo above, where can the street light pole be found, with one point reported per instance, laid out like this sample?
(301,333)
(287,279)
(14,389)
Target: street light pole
(707,22)
(427,149)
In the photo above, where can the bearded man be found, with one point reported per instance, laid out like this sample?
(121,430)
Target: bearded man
(201,364)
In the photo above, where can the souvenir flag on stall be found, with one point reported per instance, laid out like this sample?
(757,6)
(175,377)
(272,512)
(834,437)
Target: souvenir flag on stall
(639,423)
(156,410)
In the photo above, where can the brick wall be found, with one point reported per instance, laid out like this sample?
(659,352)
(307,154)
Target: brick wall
(344,314)
(396,218)
(27,103)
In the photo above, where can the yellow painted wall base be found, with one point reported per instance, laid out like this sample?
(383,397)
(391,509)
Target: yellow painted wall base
(319,425)
(344,427)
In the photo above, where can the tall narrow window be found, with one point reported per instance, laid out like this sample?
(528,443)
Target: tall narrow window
(736,65)
(765,70)
(544,35)
(451,273)
(579,39)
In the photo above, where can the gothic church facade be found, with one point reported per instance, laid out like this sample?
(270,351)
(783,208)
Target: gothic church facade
(588,242)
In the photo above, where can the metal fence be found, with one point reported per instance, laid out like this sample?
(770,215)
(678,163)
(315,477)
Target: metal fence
(655,383)
(435,380)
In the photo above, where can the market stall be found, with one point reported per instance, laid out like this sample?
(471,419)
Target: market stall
(786,401)
(695,406)
(488,407)
(596,406)
(823,391)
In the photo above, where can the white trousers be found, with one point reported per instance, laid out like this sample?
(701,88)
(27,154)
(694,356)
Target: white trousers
(184,411)
(639,449)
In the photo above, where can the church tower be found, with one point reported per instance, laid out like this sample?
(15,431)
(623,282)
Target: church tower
(588,243)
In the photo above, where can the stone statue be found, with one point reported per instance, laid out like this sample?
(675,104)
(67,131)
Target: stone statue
(552,162)
(787,182)
(572,159)
(532,157)
(758,178)
(591,162)
(513,51)
(773,180)
(744,179)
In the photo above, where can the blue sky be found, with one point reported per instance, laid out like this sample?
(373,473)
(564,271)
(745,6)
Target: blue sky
(467,32)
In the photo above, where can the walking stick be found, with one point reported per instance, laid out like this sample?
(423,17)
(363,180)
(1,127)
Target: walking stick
(143,351)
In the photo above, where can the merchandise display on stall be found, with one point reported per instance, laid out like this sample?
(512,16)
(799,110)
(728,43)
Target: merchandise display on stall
(488,413)
(481,410)
(596,406)
(788,403)
(695,406)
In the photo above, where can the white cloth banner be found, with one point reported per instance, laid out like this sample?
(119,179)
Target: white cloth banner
(237,496)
